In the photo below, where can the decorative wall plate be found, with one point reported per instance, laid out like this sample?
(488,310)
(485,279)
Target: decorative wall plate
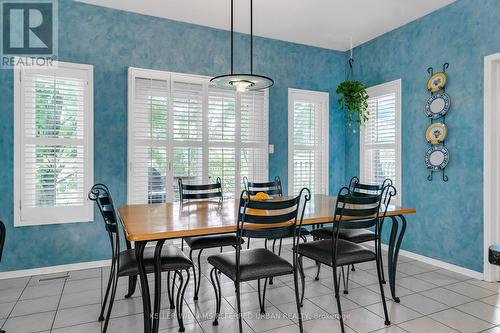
(436,133)
(437,105)
(437,158)
(436,82)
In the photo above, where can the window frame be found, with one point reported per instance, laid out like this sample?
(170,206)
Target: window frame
(379,90)
(63,214)
(321,98)
(206,144)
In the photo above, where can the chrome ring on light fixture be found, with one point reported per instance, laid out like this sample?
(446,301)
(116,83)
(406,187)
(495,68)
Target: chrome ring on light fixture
(252,81)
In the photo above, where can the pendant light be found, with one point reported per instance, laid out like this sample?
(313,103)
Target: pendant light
(242,82)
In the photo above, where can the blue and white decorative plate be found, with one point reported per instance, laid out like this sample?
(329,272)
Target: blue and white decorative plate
(437,105)
(437,158)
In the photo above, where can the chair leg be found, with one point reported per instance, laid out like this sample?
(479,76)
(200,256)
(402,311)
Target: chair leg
(263,300)
(297,300)
(381,265)
(132,283)
(214,278)
(170,291)
(248,243)
(111,300)
(271,282)
(279,249)
(182,244)
(300,263)
(180,297)
(197,283)
(318,268)
(337,296)
(345,279)
(382,293)
(110,279)
(352,268)
(238,306)
(197,279)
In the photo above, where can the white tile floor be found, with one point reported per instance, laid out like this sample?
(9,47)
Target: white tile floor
(433,300)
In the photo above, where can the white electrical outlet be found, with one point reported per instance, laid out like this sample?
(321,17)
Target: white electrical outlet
(271,149)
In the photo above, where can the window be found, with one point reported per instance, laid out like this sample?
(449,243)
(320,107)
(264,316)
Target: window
(307,141)
(181,127)
(380,140)
(53,148)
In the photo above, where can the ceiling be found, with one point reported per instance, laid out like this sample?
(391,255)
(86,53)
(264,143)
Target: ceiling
(323,23)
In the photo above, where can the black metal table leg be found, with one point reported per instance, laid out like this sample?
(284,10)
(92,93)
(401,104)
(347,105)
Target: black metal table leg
(396,237)
(146,300)
(157,300)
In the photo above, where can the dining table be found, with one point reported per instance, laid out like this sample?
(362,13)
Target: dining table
(148,223)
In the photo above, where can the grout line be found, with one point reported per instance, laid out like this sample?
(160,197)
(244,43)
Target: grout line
(58,303)
(15,303)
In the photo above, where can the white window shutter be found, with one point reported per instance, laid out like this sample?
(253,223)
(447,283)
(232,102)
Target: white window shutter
(380,137)
(254,136)
(308,135)
(187,107)
(54,139)
(148,136)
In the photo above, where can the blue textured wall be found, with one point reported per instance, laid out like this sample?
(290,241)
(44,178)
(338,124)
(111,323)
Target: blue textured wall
(449,221)
(114,40)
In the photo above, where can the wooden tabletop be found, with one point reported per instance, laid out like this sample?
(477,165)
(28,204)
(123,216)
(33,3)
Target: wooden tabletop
(151,222)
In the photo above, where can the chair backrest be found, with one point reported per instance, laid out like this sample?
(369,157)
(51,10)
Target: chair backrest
(194,192)
(280,216)
(102,197)
(272,188)
(354,211)
(2,238)
(359,188)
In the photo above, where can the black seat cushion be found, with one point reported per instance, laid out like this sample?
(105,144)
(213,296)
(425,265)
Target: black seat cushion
(206,242)
(352,235)
(347,252)
(254,264)
(172,258)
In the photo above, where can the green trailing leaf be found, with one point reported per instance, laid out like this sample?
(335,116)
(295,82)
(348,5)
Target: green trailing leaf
(353,100)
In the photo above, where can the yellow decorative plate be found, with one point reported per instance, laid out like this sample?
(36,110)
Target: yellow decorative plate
(437,82)
(436,133)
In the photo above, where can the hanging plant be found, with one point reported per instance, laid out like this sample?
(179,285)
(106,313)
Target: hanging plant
(353,100)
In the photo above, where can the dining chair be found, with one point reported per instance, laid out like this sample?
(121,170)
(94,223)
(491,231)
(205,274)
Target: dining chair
(2,243)
(188,192)
(351,212)
(257,219)
(124,263)
(272,189)
(354,235)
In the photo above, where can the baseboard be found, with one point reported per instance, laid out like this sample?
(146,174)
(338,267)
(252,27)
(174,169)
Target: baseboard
(54,269)
(441,264)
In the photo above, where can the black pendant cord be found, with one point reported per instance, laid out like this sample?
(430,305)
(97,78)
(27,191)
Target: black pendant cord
(251,36)
(232,34)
